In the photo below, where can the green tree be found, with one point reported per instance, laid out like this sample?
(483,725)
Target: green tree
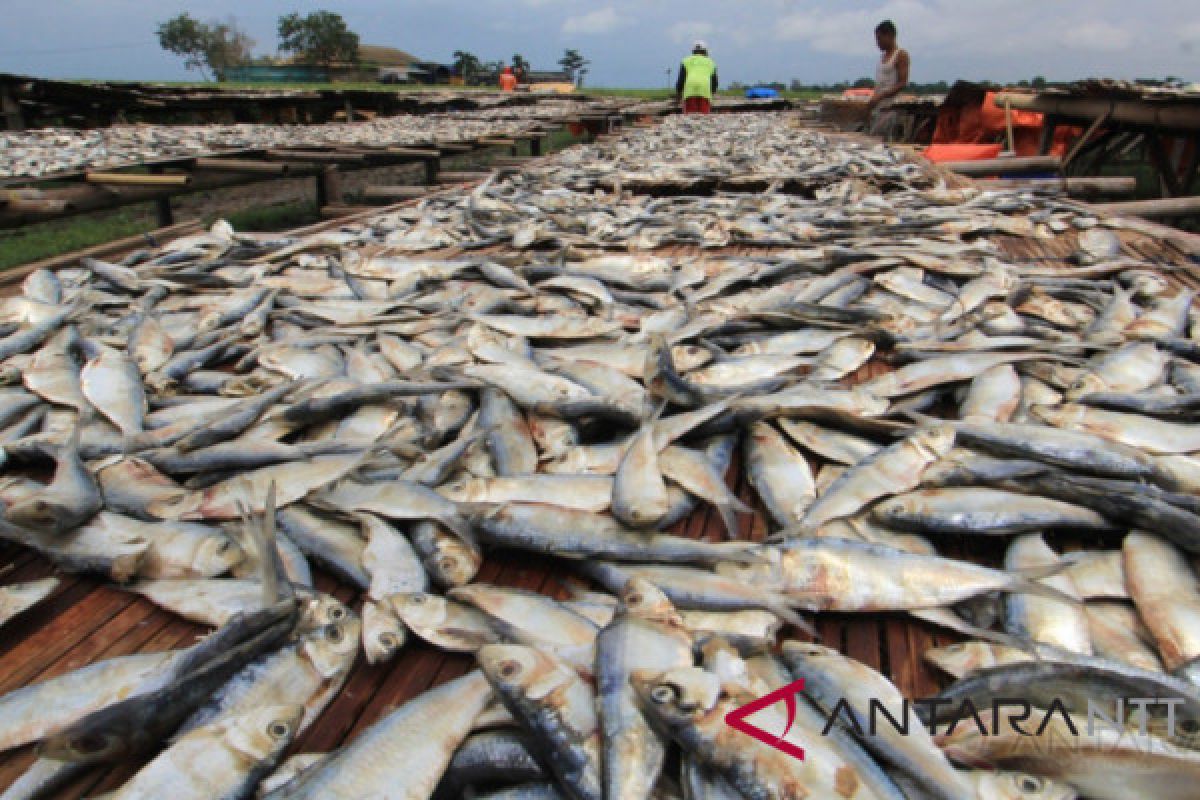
(520,65)
(1038,83)
(467,65)
(574,64)
(318,38)
(216,46)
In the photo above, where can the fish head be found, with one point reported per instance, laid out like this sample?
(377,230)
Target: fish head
(216,555)
(1085,385)
(689,357)
(960,658)
(1002,785)
(263,734)
(935,442)
(39,514)
(454,563)
(331,649)
(321,609)
(641,598)
(676,698)
(183,504)
(523,671)
(419,610)
(382,633)
(1056,416)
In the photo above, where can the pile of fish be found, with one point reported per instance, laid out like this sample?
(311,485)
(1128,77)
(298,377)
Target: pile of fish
(204,422)
(48,151)
(739,151)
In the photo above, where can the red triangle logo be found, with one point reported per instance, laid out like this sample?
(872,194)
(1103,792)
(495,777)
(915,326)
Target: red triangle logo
(736,719)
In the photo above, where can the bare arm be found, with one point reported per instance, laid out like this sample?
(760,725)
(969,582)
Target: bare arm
(680,82)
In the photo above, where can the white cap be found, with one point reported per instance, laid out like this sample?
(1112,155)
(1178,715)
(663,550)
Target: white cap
(700,45)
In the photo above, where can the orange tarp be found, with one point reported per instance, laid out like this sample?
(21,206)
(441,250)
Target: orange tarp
(985,123)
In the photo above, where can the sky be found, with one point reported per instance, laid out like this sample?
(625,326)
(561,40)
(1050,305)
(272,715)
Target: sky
(636,43)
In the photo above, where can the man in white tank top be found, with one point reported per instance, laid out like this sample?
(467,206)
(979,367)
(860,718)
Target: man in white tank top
(891,78)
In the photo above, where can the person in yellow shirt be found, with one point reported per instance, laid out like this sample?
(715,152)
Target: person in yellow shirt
(697,81)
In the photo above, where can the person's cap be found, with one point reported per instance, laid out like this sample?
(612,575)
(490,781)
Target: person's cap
(700,45)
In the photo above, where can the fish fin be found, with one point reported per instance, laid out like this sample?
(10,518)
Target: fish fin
(789,615)
(460,528)
(741,552)
(719,353)
(1039,571)
(974,631)
(1022,585)
(726,512)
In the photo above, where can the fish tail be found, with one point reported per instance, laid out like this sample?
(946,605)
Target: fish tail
(789,615)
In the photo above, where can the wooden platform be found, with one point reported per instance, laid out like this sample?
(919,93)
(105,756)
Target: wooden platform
(85,621)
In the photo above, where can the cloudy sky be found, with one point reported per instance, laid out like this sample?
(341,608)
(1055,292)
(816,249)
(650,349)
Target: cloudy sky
(635,43)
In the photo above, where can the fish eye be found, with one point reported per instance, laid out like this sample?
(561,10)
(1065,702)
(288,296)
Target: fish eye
(417,599)
(635,599)
(278,730)
(389,640)
(335,633)
(662,694)
(1030,783)
(509,669)
(337,613)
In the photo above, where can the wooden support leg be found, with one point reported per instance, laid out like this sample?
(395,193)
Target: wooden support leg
(1166,171)
(162,205)
(1048,127)
(13,119)
(432,167)
(535,146)
(329,187)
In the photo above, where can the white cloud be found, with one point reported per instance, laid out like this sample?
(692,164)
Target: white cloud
(686,32)
(1098,35)
(600,21)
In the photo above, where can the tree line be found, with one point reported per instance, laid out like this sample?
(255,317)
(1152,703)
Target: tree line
(321,37)
(471,68)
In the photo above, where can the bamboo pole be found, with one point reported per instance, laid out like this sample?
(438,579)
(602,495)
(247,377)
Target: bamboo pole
(316,156)
(394,193)
(242,165)
(1116,184)
(1165,207)
(1163,114)
(1005,166)
(462,177)
(154,237)
(415,152)
(137,179)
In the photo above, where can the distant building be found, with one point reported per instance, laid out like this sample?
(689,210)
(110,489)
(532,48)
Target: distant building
(375,63)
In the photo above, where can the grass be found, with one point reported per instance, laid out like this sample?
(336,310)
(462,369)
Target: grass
(46,239)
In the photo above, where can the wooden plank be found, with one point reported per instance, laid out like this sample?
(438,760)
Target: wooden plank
(60,635)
